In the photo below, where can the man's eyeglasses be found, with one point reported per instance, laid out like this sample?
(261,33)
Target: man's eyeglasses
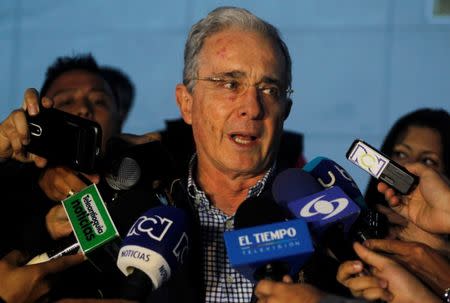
(237,87)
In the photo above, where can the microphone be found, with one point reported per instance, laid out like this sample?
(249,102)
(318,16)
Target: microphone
(125,176)
(328,173)
(154,248)
(370,224)
(261,249)
(306,199)
(151,159)
(128,171)
(293,183)
(91,223)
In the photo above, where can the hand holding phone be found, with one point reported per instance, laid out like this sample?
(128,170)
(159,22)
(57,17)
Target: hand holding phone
(65,139)
(381,167)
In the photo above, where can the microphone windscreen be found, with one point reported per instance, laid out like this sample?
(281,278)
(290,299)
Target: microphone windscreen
(154,161)
(156,244)
(127,175)
(292,184)
(259,210)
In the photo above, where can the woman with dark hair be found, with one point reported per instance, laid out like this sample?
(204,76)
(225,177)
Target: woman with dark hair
(420,136)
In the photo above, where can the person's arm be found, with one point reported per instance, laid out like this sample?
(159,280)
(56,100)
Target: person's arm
(402,285)
(59,181)
(421,260)
(14,133)
(427,206)
(352,275)
(286,291)
(28,283)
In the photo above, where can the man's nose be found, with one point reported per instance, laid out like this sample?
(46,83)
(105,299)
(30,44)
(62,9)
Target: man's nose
(85,109)
(251,104)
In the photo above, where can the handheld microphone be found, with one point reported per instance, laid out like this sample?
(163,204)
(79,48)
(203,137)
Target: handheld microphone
(370,224)
(264,245)
(306,199)
(155,247)
(328,173)
(125,187)
(151,159)
(125,176)
(293,183)
(91,223)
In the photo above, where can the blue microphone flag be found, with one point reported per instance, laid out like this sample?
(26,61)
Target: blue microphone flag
(250,248)
(156,244)
(325,208)
(328,173)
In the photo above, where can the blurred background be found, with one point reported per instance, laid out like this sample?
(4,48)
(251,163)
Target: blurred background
(358,65)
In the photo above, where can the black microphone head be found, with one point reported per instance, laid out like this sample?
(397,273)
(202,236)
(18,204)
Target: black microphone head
(152,158)
(125,176)
(259,210)
(292,184)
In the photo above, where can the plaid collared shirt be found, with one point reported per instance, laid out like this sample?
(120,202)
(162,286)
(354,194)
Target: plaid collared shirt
(222,282)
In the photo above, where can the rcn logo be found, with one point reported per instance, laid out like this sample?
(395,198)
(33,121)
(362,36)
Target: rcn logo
(155,227)
(324,207)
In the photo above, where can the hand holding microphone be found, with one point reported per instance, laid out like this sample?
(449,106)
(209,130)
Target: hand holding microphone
(59,181)
(390,281)
(57,223)
(20,283)
(428,205)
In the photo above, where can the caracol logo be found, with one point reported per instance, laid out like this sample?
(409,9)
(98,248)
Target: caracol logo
(155,227)
(324,207)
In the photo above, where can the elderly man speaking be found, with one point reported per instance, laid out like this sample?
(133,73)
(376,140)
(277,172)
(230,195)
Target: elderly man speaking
(235,94)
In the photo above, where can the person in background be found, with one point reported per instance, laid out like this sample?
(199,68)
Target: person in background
(73,85)
(123,89)
(34,217)
(422,136)
(419,138)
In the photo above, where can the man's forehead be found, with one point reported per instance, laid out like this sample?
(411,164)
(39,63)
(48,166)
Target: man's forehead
(75,80)
(235,50)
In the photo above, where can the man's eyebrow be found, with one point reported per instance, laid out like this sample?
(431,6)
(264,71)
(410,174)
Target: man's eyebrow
(231,74)
(271,80)
(71,90)
(240,74)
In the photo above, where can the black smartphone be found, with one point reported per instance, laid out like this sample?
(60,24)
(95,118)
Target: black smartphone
(381,167)
(65,139)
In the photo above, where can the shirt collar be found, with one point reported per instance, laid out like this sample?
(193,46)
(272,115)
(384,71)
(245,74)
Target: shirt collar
(196,193)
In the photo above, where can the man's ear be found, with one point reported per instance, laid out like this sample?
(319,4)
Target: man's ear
(184,102)
(288,108)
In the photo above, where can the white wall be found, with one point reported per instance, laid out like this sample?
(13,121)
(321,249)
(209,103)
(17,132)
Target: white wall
(358,64)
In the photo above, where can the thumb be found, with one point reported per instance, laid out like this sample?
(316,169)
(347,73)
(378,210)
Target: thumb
(61,263)
(416,168)
(15,258)
(287,279)
(368,256)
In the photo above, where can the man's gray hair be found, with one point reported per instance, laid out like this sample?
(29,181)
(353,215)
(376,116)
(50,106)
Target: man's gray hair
(220,19)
